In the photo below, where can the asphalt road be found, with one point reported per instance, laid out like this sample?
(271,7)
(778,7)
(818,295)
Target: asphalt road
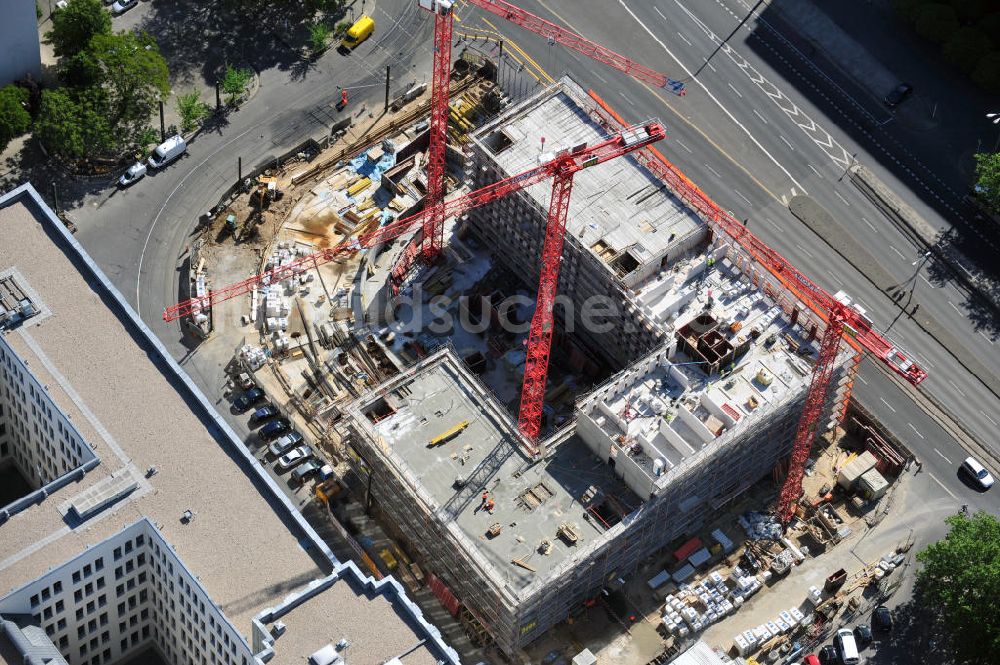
(752,139)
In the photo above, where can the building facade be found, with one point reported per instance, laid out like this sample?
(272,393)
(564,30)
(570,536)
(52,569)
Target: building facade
(19,36)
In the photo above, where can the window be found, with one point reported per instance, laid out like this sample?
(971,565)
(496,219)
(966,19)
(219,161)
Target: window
(118,553)
(34,600)
(57,587)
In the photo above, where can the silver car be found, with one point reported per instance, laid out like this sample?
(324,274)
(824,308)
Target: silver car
(285,443)
(122,6)
(977,472)
(293,458)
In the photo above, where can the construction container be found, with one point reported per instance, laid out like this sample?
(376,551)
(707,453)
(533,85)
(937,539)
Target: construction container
(873,485)
(853,470)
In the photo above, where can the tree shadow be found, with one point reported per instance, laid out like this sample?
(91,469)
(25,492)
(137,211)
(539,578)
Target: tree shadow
(918,636)
(198,39)
(979,282)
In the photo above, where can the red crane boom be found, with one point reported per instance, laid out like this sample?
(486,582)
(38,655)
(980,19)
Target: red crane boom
(565,162)
(842,318)
(432,236)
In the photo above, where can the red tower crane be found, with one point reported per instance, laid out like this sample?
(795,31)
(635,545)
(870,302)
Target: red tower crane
(843,320)
(432,233)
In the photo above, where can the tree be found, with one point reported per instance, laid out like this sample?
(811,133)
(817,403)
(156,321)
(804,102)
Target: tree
(988,174)
(319,33)
(14,117)
(75,124)
(192,110)
(907,9)
(987,72)
(961,578)
(936,22)
(966,47)
(134,78)
(76,24)
(235,83)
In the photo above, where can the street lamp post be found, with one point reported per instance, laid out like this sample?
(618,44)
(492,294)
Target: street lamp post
(995,119)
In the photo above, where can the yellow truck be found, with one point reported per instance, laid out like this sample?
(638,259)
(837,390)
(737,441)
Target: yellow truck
(359,32)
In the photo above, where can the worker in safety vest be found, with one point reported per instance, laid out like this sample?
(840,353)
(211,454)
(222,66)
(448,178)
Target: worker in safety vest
(343,98)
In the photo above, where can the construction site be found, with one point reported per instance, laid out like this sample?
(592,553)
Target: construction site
(544,360)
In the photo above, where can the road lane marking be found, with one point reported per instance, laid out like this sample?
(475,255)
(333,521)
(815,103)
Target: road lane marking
(927,282)
(986,337)
(786,142)
(735,90)
(897,252)
(661,14)
(762,118)
(916,431)
(743,197)
(713,171)
(934,478)
(861,379)
(794,193)
(834,276)
(841,197)
(805,251)
(872,226)
(626,98)
(814,170)
(685,39)
(709,64)
(771,222)
(691,77)
(882,399)
(985,415)
(954,307)
(959,390)
(942,456)
(681,144)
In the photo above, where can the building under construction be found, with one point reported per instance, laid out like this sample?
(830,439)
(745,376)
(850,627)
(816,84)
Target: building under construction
(703,367)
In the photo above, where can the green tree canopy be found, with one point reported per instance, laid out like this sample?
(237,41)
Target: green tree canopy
(134,78)
(75,124)
(14,118)
(936,22)
(75,25)
(961,577)
(987,72)
(966,47)
(988,174)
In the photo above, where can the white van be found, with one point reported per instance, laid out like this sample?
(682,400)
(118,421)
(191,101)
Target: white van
(847,647)
(167,152)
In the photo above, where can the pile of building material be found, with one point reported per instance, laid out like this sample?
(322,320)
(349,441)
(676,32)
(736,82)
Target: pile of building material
(253,356)
(694,607)
(783,624)
(760,526)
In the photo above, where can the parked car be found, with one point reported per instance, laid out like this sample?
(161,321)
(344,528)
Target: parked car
(898,95)
(265,412)
(274,429)
(293,458)
(847,648)
(359,32)
(828,655)
(308,468)
(882,619)
(122,6)
(863,635)
(248,399)
(285,443)
(975,470)
(167,152)
(132,174)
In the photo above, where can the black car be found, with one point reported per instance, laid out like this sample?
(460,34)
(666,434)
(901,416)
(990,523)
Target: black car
(882,619)
(274,429)
(828,655)
(265,412)
(248,399)
(898,95)
(862,635)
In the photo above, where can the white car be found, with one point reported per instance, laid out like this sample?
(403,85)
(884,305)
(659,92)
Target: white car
(293,458)
(133,173)
(977,472)
(122,6)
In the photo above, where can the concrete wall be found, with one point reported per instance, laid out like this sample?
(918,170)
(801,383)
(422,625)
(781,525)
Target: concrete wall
(21,52)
